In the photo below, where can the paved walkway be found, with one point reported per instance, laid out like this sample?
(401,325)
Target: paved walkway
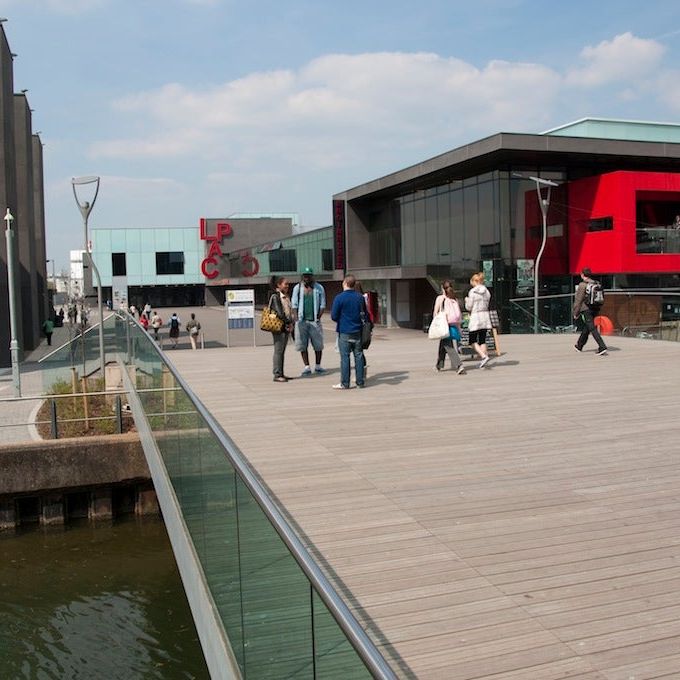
(519,522)
(17,414)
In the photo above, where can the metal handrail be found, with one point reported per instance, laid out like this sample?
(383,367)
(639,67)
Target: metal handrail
(89,329)
(363,645)
(107,393)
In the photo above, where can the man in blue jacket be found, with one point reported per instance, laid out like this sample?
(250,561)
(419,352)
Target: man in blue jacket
(347,313)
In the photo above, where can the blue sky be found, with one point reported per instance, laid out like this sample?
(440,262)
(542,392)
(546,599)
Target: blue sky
(191,108)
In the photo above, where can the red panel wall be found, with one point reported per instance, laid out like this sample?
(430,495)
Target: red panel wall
(555,259)
(614,194)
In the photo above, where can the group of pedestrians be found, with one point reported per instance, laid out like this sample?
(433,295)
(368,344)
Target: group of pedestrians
(477,303)
(151,321)
(301,314)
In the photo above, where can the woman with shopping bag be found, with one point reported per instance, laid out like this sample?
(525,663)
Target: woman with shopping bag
(446,309)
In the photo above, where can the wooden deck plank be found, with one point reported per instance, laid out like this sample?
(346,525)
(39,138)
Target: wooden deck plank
(520,544)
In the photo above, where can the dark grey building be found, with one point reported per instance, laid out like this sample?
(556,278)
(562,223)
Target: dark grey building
(21,190)
(24,223)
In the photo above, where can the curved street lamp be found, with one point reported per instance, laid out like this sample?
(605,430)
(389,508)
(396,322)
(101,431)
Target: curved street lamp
(85,210)
(544,204)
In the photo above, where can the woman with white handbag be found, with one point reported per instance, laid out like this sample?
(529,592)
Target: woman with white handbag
(447,305)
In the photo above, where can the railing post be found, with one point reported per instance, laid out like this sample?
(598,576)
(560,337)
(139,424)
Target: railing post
(86,410)
(119,415)
(127,340)
(53,418)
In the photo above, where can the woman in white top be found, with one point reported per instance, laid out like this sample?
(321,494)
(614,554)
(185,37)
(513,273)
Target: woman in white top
(447,303)
(477,303)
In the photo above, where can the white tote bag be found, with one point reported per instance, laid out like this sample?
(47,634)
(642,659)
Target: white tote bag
(439,328)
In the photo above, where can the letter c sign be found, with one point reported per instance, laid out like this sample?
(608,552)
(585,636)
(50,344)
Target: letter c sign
(212,273)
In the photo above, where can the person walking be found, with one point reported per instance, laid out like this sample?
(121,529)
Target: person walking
(447,302)
(156,324)
(147,310)
(281,306)
(174,326)
(308,303)
(477,303)
(585,311)
(347,311)
(144,322)
(193,329)
(48,329)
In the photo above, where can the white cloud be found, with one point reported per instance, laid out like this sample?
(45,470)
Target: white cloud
(624,58)
(337,109)
(668,88)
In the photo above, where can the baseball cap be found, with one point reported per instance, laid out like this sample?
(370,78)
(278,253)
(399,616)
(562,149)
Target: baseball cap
(307,270)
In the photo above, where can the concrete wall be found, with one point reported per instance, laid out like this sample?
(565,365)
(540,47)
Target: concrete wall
(31,467)
(50,481)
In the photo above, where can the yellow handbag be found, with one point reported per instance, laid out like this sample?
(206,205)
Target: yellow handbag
(270,321)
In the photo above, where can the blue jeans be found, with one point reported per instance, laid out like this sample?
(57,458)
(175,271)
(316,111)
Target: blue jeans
(351,342)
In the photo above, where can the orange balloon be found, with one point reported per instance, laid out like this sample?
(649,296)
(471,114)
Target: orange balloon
(605,325)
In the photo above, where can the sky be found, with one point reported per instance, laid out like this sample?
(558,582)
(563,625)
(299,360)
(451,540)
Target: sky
(205,108)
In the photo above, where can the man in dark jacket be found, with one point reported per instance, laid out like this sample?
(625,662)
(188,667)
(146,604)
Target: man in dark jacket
(585,314)
(346,312)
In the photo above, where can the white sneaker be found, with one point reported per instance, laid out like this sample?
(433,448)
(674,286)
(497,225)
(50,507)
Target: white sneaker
(340,386)
(484,362)
(460,370)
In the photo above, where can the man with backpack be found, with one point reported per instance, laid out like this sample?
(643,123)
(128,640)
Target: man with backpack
(587,303)
(174,325)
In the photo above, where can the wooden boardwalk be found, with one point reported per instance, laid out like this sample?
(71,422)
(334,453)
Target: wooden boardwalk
(519,522)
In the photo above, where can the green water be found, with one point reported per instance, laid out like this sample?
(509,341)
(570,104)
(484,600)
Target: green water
(91,602)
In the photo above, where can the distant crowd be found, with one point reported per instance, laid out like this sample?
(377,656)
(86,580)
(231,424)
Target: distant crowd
(152,323)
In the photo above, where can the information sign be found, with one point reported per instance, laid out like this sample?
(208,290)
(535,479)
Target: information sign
(240,310)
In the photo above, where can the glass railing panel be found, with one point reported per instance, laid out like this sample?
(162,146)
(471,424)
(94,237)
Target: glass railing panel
(276,599)
(334,656)
(218,546)
(554,313)
(260,591)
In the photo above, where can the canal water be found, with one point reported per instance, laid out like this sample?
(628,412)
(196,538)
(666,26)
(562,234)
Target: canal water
(95,601)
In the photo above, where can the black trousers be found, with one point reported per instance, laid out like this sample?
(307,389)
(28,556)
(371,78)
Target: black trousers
(588,328)
(447,346)
(280,342)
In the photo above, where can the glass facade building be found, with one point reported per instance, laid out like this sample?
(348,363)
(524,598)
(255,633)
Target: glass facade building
(476,208)
(254,266)
(169,266)
(158,265)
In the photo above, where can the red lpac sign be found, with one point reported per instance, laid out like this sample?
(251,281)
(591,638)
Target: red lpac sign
(209,263)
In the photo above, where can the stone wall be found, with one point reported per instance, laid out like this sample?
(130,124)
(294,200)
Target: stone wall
(50,481)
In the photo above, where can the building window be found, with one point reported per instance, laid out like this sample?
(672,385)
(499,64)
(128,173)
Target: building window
(601,224)
(118,266)
(658,222)
(169,263)
(327,259)
(283,260)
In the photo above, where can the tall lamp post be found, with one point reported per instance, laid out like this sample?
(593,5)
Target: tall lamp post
(13,343)
(544,204)
(85,210)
